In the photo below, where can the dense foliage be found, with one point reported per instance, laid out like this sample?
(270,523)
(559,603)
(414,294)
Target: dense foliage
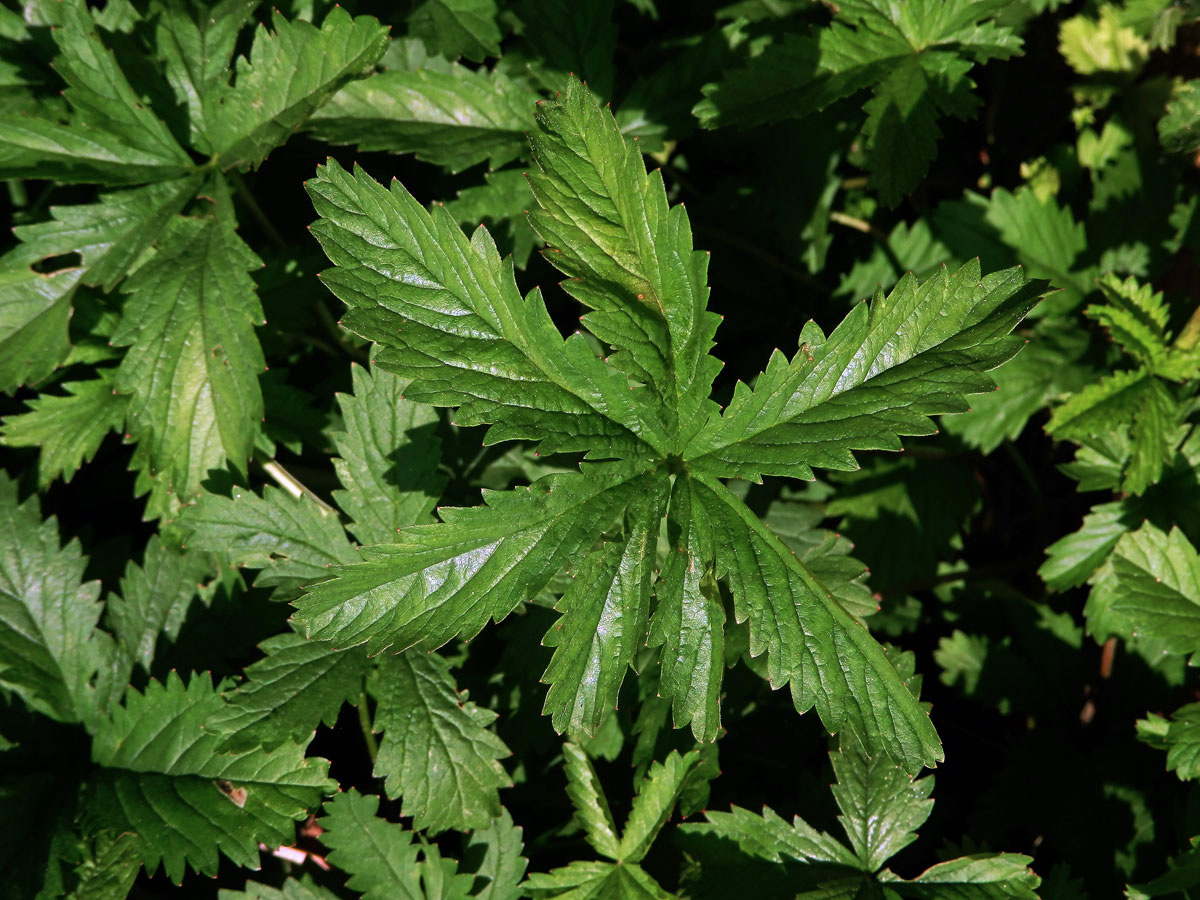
(842,426)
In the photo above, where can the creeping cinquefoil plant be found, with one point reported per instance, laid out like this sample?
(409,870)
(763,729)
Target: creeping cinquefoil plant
(632,394)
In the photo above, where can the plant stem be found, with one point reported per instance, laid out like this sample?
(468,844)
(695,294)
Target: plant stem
(858,225)
(293,485)
(364,721)
(274,238)
(340,336)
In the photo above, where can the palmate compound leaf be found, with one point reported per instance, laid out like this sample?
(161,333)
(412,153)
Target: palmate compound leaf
(916,56)
(164,776)
(622,878)
(447,315)
(881,809)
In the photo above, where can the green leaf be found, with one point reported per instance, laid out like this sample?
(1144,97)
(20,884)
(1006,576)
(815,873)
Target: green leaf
(629,257)
(454,118)
(591,806)
(689,620)
(962,656)
(449,316)
(437,750)
(35,310)
(502,865)
(100,92)
(500,204)
(36,148)
(1133,398)
(564,37)
(1051,365)
(1158,584)
(292,539)
(595,881)
(111,235)
(193,361)
(298,685)
(438,582)
(379,855)
(1071,560)
(66,428)
(50,646)
(873,379)
(882,807)
(456,28)
(916,56)
(1179,129)
(771,838)
(982,876)
(1042,234)
(1180,737)
(1101,45)
(387,457)
(154,600)
(289,74)
(828,658)
(653,804)
(291,890)
(595,643)
(165,778)
(108,869)
(909,248)
(197,46)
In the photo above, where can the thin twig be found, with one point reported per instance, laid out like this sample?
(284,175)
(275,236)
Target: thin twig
(858,225)
(274,238)
(293,485)
(339,335)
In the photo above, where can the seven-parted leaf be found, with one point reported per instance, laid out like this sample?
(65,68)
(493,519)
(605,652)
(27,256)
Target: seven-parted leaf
(437,752)
(164,776)
(447,315)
